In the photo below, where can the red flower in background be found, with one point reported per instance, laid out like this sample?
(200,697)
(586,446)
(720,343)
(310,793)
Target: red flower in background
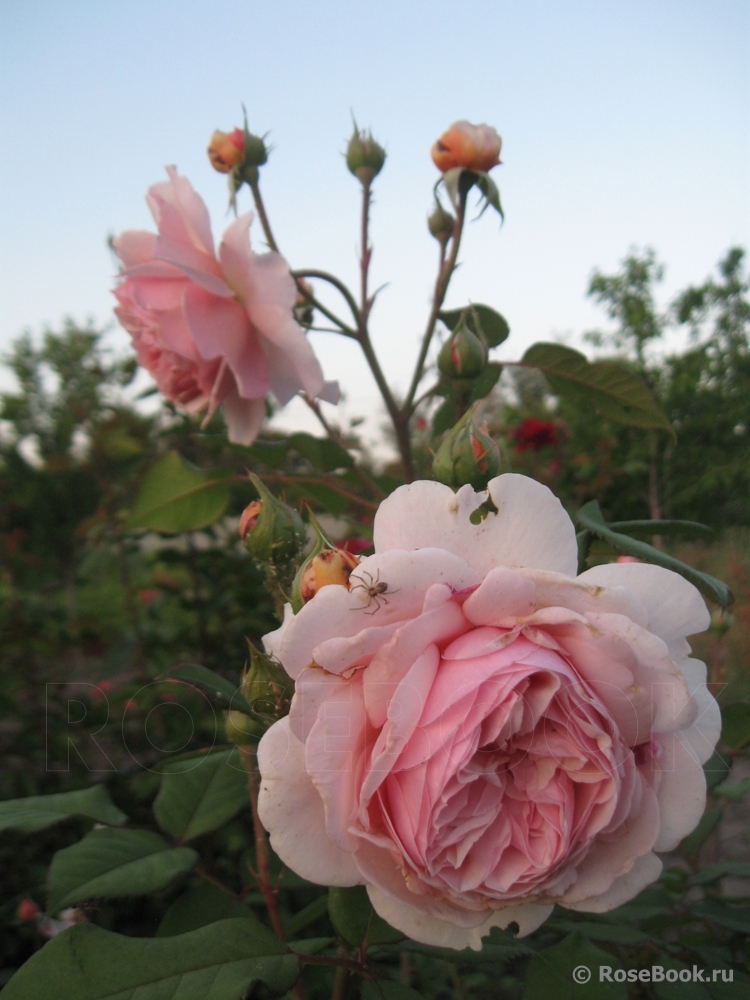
(533,434)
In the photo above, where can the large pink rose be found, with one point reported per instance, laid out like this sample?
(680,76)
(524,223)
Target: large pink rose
(476,734)
(213,331)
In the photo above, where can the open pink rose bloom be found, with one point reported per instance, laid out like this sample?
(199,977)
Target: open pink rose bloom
(213,331)
(478,734)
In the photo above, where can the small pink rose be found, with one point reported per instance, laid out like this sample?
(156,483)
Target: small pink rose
(476,733)
(213,330)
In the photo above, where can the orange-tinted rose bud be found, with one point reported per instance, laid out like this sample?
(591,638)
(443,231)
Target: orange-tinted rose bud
(328,567)
(475,147)
(28,910)
(226,150)
(249,518)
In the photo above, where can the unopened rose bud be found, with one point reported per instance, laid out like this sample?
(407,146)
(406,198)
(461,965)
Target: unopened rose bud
(303,307)
(249,518)
(28,911)
(441,224)
(467,454)
(226,150)
(277,535)
(364,156)
(474,147)
(331,566)
(462,355)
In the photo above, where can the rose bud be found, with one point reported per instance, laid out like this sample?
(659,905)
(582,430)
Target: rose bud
(249,518)
(278,534)
(328,567)
(364,156)
(441,224)
(28,911)
(474,147)
(467,454)
(226,150)
(463,354)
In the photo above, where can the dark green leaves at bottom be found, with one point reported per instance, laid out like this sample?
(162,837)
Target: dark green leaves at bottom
(108,863)
(386,989)
(354,918)
(218,962)
(200,794)
(590,517)
(735,725)
(39,811)
(550,973)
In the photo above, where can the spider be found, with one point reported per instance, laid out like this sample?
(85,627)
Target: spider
(375,588)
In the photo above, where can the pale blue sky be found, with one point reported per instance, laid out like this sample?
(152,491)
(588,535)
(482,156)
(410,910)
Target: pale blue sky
(623,124)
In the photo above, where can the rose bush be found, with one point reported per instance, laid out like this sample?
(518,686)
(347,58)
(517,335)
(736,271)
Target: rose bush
(213,331)
(476,733)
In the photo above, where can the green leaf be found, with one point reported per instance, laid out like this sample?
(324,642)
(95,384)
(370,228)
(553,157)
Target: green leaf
(733,792)
(329,499)
(735,725)
(355,920)
(200,794)
(716,769)
(38,811)
(616,391)
(308,915)
(611,933)
(663,528)
(176,497)
(445,417)
(270,453)
(550,973)
(491,194)
(665,990)
(217,962)
(109,863)
(199,906)
(321,453)
(483,321)
(738,989)
(711,873)
(734,918)
(499,947)
(386,989)
(215,684)
(695,840)
(590,517)
(485,383)
(646,905)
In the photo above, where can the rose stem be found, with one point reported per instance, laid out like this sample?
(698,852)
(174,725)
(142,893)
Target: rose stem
(340,983)
(262,853)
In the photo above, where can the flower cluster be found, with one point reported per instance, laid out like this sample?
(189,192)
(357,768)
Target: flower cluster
(476,733)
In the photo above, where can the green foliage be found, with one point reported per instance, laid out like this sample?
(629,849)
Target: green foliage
(200,794)
(177,497)
(115,863)
(550,973)
(217,962)
(484,322)
(611,387)
(735,725)
(38,811)
(590,517)
(215,684)
(355,920)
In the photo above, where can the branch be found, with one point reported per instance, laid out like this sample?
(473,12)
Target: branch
(445,273)
(338,285)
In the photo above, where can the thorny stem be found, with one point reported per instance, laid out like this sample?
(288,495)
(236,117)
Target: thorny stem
(445,273)
(335,435)
(261,208)
(340,983)
(262,852)
(338,285)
